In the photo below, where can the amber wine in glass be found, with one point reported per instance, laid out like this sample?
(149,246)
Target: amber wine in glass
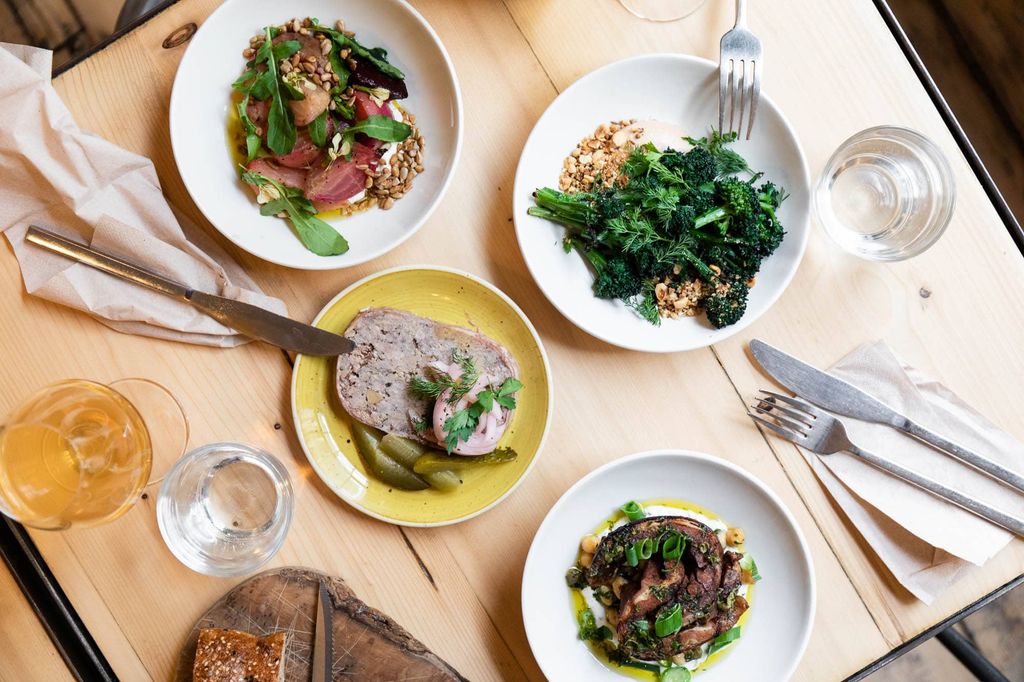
(76,453)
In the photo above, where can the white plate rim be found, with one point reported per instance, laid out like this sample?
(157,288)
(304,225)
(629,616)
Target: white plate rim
(547,418)
(338,262)
(627,460)
(746,320)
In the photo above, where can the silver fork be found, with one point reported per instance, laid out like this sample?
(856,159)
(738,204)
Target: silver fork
(739,74)
(820,432)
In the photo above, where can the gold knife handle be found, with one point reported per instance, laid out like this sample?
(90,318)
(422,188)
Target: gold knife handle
(105,262)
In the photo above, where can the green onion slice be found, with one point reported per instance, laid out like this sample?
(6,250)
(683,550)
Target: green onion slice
(673,546)
(631,556)
(747,564)
(644,548)
(675,674)
(724,640)
(633,511)
(670,622)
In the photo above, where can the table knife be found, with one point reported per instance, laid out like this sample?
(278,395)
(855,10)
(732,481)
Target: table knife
(323,638)
(836,395)
(247,319)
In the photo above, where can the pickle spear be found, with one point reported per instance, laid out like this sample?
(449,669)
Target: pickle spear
(383,467)
(407,452)
(432,463)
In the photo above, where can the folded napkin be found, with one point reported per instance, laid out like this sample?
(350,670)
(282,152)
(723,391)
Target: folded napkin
(926,542)
(54,175)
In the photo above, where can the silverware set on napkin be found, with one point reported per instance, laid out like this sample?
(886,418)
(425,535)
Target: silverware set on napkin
(801,421)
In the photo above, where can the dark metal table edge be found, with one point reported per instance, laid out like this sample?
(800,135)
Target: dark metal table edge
(80,651)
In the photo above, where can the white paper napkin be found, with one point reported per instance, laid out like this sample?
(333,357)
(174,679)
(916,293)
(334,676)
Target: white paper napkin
(926,542)
(54,175)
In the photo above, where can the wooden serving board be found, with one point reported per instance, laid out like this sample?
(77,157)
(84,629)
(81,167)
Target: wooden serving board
(367,644)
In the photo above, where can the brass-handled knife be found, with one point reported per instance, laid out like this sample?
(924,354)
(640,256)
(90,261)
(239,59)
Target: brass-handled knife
(247,319)
(323,638)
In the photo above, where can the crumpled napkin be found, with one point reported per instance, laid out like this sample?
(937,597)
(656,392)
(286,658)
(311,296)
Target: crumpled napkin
(54,175)
(926,542)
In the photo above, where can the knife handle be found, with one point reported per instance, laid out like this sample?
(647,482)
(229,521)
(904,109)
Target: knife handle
(975,506)
(994,469)
(111,265)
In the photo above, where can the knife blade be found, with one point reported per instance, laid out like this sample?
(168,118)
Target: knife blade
(821,388)
(323,638)
(841,397)
(247,319)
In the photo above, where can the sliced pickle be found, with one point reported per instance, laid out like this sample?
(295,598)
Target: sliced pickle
(406,452)
(383,467)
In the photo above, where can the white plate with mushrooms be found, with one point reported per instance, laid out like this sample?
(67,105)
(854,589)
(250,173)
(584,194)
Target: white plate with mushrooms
(776,622)
(204,122)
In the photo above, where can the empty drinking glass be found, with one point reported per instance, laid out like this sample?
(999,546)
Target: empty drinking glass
(886,194)
(225,508)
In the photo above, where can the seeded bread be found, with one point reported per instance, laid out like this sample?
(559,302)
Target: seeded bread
(235,656)
(392,347)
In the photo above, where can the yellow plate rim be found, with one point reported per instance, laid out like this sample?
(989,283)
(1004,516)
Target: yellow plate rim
(547,418)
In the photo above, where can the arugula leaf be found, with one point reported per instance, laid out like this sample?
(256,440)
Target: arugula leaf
(252,139)
(318,129)
(383,128)
(377,56)
(280,124)
(315,234)
(339,67)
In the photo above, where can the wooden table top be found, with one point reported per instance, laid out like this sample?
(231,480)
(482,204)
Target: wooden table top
(834,68)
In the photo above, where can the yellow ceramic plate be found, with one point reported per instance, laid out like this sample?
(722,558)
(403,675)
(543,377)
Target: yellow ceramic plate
(448,296)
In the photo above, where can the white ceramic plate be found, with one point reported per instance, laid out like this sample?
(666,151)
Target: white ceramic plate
(677,89)
(779,624)
(199,110)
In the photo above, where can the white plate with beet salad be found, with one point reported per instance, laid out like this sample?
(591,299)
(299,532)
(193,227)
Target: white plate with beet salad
(314,140)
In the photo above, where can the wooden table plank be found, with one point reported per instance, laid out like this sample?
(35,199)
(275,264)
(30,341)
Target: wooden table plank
(26,644)
(512,58)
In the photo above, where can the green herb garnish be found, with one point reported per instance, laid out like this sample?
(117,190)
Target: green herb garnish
(261,85)
(673,546)
(318,129)
(633,511)
(747,564)
(377,56)
(724,639)
(315,234)
(461,425)
(669,621)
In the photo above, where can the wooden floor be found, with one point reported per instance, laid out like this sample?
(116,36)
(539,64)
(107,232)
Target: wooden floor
(974,51)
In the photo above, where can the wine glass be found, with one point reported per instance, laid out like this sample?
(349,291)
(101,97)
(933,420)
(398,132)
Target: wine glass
(80,453)
(661,10)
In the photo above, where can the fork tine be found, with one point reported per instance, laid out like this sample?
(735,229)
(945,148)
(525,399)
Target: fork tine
(732,92)
(785,433)
(755,95)
(811,410)
(741,95)
(798,416)
(798,426)
(723,83)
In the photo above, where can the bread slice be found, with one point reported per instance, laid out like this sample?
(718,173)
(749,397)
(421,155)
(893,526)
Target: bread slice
(234,656)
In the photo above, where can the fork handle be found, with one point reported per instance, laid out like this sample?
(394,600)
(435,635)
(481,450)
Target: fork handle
(1010,478)
(741,14)
(975,506)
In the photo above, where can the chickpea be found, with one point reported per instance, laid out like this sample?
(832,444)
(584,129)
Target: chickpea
(746,577)
(734,536)
(586,560)
(611,616)
(679,659)
(589,544)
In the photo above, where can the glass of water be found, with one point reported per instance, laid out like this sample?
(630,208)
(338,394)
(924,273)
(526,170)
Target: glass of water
(225,508)
(886,194)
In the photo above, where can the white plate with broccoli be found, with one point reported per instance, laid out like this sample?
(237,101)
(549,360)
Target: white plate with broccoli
(643,225)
